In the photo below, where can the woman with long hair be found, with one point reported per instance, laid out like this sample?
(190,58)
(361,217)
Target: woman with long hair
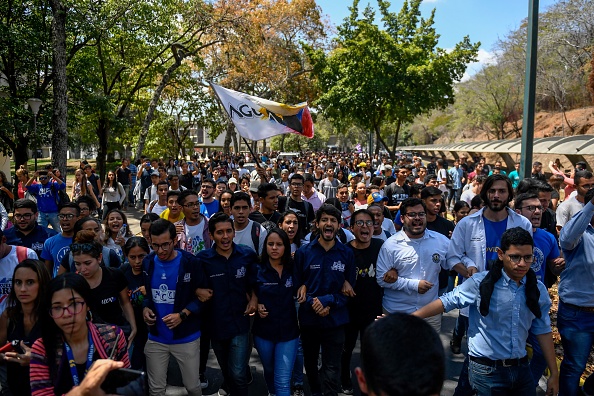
(360,196)
(172,167)
(19,322)
(109,285)
(70,342)
(275,330)
(115,219)
(82,187)
(135,250)
(6,193)
(22,175)
(461,210)
(113,194)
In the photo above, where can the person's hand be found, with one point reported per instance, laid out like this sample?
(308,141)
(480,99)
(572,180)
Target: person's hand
(262,311)
(204,294)
(302,294)
(149,316)
(179,229)
(472,271)
(142,290)
(172,320)
(50,174)
(351,207)
(347,289)
(424,286)
(132,336)
(324,312)
(317,305)
(558,265)
(21,358)
(391,276)
(553,385)
(91,384)
(251,307)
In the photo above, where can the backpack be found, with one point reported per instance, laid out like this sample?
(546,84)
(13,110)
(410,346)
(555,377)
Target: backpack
(60,196)
(256,237)
(342,237)
(21,252)
(449,180)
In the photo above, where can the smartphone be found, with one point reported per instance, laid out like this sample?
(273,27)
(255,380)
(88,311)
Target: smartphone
(8,347)
(125,382)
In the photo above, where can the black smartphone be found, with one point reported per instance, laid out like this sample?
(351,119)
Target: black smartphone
(125,382)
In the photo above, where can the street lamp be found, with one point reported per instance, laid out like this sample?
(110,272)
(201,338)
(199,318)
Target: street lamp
(34,105)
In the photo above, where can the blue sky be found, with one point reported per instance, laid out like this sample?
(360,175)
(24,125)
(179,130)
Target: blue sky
(482,20)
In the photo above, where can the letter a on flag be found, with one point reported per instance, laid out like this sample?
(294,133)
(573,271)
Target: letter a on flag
(256,118)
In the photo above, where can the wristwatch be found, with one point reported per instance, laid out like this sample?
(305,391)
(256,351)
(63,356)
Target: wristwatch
(183,316)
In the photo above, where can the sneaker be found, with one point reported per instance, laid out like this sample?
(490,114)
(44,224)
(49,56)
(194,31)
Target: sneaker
(203,381)
(455,347)
(298,391)
(348,391)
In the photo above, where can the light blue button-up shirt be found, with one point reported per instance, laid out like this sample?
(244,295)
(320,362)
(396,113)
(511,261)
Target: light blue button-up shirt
(503,332)
(577,241)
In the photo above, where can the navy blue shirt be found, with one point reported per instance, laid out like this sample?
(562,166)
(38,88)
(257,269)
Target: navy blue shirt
(323,273)
(277,294)
(230,279)
(33,240)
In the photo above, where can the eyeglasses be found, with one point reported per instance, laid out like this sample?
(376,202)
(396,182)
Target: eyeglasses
(85,209)
(515,258)
(164,246)
(26,216)
(191,205)
(82,247)
(413,215)
(532,208)
(73,309)
(296,185)
(68,216)
(361,223)
(42,177)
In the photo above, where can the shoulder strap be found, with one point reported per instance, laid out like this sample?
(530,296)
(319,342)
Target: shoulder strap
(152,205)
(342,236)
(21,252)
(387,234)
(256,236)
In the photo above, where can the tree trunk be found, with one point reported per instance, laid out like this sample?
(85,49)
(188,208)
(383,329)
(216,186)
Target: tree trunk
(228,137)
(381,140)
(282,144)
(21,156)
(60,114)
(235,141)
(395,144)
(103,135)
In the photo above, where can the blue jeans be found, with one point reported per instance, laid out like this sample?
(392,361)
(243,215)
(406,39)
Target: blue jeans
(46,218)
(577,336)
(233,356)
(501,381)
(538,364)
(297,379)
(277,360)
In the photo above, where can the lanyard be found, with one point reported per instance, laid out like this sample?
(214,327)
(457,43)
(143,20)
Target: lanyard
(72,364)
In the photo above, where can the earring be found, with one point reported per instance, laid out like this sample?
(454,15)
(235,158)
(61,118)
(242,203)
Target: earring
(89,316)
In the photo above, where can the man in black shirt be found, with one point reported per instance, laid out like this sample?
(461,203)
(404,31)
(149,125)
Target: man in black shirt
(304,210)
(268,194)
(124,177)
(398,191)
(366,302)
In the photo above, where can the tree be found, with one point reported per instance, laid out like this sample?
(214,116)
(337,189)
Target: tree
(376,76)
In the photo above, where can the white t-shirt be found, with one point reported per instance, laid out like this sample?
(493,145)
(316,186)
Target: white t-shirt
(152,189)
(442,175)
(467,196)
(194,240)
(388,225)
(157,209)
(244,237)
(7,265)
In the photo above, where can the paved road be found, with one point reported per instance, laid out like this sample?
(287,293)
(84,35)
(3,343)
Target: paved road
(258,387)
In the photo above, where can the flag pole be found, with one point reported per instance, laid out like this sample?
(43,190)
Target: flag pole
(252,152)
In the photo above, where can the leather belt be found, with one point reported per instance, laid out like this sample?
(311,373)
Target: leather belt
(577,308)
(499,363)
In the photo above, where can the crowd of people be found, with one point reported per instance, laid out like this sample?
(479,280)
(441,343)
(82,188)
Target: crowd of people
(297,257)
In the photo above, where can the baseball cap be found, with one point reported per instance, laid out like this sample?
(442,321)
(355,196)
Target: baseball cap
(233,180)
(155,173)
(376,197)
(388,167)
(362,165)
(254,185)
(284,171)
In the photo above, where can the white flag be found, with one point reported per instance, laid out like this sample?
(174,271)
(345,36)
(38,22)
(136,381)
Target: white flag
(256,118)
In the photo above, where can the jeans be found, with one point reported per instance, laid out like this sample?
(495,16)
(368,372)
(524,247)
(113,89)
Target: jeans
(538,364)
(577,336)
(351,333)
(126,194)
(46,218)
(233,356)
(463,388)
(297,379)
(157,359)
(277,360)
(327,381)
(454,195)
(501,381)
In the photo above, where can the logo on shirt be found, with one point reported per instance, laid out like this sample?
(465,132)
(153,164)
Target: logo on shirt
(314,266)
(240,273)
(187,277)
(435,258)
(337,266)
(108,300)
(289,282)
(163,295)
(538,262)
(37,246)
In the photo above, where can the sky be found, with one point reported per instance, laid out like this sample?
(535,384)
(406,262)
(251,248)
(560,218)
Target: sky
(482,20)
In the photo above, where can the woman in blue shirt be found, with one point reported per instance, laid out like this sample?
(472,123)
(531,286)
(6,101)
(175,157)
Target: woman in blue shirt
(276,332)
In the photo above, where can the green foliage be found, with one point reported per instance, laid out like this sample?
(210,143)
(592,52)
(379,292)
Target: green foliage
(375,75)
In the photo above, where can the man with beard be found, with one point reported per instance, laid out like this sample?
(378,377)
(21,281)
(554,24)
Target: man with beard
(323,266)
(26,232)
(474,244)
(366,303)
(209,205)
(583,181)
(418,255)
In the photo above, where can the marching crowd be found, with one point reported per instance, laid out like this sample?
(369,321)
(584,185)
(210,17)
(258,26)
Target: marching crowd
(297,257)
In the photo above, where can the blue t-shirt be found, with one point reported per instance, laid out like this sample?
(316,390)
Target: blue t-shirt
(545,248)
(208,209)
(163,285)
(46,195)
(493,232)
(54,249)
